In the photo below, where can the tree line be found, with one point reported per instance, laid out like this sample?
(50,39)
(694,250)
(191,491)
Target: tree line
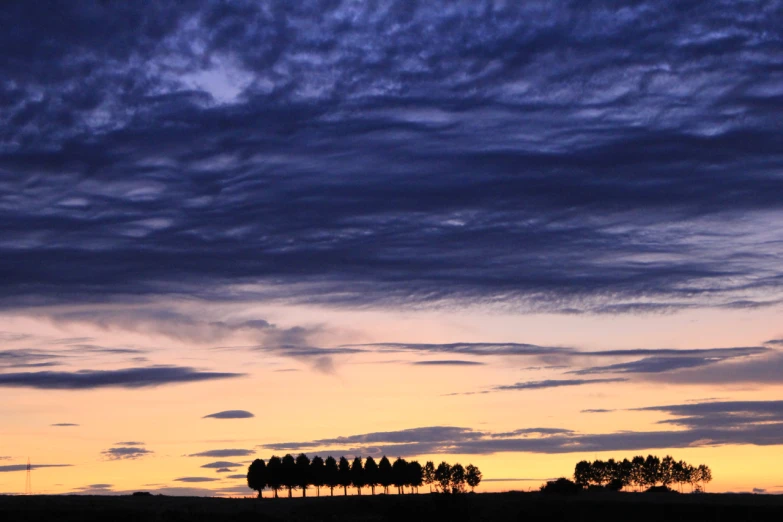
(302,473)
(641,472)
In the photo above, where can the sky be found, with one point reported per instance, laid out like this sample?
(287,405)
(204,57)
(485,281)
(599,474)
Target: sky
(513,234)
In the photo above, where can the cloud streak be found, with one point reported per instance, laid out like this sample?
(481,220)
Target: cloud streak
(123,378)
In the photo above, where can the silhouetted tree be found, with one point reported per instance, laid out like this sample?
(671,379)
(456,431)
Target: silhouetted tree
(429,474)
(385,477)
(637,471)
(705,475)
(561,486)
(357,475)
(331,474)
(303,479)
(256,476)
(344,473)
(472,476)
(289,473)
(415,475)
(583,473)
(274,474)
(651,470)
(598,472)
(457,478)
(317,473)
(666,470)
(371,473)
(399,469)
(443,476)
(623,474)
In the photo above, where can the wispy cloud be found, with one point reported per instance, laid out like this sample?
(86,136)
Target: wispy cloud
(219,453)
(123,378)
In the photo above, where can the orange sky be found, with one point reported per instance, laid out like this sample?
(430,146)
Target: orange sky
(301,398)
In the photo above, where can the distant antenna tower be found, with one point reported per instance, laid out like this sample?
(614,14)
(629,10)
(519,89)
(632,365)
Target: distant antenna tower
(28,486)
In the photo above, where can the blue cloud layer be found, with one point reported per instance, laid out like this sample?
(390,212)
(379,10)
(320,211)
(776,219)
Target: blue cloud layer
(567,156)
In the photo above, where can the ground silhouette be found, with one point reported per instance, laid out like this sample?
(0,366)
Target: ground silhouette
(603,506)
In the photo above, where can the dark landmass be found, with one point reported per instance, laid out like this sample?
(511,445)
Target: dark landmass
(604,507)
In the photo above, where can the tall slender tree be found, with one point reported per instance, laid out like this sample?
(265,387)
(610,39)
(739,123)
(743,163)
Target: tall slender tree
(399,469)
(289,473)
(666,470)
(303,479)
(256,476)
(429,474)
(317,473)
(651,470)
(705,475)
(415,475)
(583,473)
(357,475)
(472,476)
(331,474)
(385,477)
(274,474)
(344,473)
(371,473)
(637,471)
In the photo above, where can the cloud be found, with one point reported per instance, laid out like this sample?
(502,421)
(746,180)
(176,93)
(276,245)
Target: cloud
(237,476)
(230,414)
(122,378)
(532,431)
(222,464)
(130,443)
(553,383)
(223,470)
(597,410)
(196,479)
(448,362)
(483,139)
(64,425)
(219,453)
(126,452)
(23,467)
(698,425)
(756,371)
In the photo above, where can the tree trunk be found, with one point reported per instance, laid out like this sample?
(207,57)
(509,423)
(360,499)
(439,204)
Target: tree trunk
(290,492)
(304,492)
(331,489)
(345,491)
(359,491)
(276,494)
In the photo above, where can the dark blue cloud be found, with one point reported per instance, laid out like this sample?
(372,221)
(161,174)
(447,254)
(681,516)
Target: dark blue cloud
(553,383)
(222,464)
(130,452)
(64,425)
(123,378)
(218,453)
(195,479)
(562,156)
(230,414)
(448,362)
(699,425)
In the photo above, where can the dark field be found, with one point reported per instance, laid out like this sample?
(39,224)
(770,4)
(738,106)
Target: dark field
(408,508)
